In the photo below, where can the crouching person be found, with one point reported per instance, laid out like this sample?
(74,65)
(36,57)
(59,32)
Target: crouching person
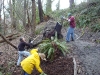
(32,61)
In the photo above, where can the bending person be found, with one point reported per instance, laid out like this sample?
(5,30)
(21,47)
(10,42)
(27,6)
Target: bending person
(32,61)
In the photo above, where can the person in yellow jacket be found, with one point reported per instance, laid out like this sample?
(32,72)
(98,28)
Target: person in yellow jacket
(32,61)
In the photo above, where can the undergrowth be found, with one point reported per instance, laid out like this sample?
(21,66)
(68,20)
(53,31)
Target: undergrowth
(87,14)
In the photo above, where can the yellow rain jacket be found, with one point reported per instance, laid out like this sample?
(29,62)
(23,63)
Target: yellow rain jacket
(31,61)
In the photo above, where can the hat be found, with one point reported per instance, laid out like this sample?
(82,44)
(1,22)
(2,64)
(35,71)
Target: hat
(69,14)
(42,56)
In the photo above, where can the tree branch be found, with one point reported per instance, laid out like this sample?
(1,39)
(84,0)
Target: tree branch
(7,41)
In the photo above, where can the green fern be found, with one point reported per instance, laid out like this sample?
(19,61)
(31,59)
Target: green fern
(49,46)
(50,52)
(43,74)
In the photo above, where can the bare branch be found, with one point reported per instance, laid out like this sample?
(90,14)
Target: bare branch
(7,41)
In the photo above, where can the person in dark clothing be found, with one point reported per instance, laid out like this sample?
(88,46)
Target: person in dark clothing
(21,50)
(58,28)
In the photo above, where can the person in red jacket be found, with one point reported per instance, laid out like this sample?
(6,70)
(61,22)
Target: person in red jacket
(72,25)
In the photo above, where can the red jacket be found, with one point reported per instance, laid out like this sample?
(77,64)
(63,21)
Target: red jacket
(72,22)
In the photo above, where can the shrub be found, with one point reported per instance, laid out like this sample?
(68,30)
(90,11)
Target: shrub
(95,27)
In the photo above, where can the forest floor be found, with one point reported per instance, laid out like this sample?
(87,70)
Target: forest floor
(85,50)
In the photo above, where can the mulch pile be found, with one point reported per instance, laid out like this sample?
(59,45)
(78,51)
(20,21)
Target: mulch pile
(60,66)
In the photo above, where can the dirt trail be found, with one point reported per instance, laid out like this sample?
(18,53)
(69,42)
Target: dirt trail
(87,55)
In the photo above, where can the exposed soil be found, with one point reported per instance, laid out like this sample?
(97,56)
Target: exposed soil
(60,66)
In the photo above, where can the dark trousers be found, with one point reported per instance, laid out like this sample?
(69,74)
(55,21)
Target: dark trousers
(25,73)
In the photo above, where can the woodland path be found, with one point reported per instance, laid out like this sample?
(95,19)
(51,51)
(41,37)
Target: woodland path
(87,55)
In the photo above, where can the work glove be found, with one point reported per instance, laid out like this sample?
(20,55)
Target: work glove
(43,73)
(31,42)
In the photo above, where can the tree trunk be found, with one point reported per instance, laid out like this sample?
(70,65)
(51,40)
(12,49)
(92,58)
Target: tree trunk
(0,15)
(10,37)
(24,18)
(40,10)
(10,7)
(72,4)
(4,25)
(13,15)
(0,9)
(28,18)
(58,5)
(7,41)
(48,6)
(33,22)
(28,25)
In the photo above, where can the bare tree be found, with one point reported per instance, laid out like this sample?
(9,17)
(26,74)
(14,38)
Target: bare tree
(58,5)
(48,6)
(33,22)
(24,17)
(72,4)
(40,10)
(4,25)
(10,9)
(13,12)
(0,14)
